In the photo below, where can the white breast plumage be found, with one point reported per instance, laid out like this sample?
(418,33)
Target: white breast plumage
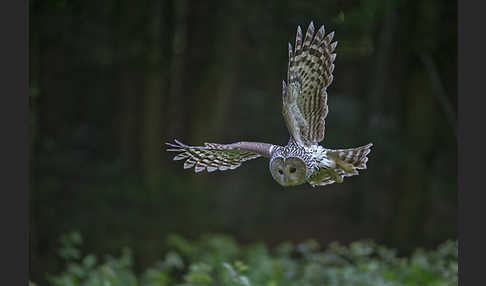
(319,154)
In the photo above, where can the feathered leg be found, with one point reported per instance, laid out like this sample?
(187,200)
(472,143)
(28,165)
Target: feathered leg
(347,163)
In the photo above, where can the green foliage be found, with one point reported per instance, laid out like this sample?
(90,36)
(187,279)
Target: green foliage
(219,260)
(85,270)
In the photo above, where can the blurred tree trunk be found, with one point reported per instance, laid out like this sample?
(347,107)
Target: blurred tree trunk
(219,84)
(174,116)
(155,87)
(380,108)
(128,118)
(382,76)
(411,199)
(128,84)
(400,222)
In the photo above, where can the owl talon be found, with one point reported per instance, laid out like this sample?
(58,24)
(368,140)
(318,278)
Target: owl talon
(349,168)
(338,178)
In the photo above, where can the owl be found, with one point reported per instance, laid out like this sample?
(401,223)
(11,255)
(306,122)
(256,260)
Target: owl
(304,101)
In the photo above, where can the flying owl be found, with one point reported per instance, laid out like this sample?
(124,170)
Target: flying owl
(304,100)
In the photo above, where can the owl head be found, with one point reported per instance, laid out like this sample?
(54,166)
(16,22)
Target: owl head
(288,171)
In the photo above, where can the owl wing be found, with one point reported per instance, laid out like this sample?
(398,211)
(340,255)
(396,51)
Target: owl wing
(213,156)
(348,162)
(309,74)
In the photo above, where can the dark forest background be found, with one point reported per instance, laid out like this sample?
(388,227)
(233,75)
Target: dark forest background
(111,81)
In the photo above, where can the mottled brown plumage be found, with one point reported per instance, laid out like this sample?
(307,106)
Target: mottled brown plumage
(309,74)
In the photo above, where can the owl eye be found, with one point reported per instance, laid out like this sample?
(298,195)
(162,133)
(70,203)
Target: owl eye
(292,170)
(280,171)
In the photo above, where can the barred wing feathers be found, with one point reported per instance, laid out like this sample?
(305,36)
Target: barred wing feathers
(309,74)
(213,156)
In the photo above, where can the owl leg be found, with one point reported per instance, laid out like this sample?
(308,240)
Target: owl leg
(319,176)
(347,167)
(325,176)
(338,178)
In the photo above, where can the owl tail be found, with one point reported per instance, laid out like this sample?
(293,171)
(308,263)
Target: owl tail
(351,159)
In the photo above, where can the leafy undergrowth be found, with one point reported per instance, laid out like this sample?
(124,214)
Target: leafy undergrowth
(219,260)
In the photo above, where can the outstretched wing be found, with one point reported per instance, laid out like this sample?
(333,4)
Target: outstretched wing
(213,156)
(308,76)
(347,164)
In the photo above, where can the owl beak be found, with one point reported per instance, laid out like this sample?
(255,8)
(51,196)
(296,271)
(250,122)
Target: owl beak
(287,181)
